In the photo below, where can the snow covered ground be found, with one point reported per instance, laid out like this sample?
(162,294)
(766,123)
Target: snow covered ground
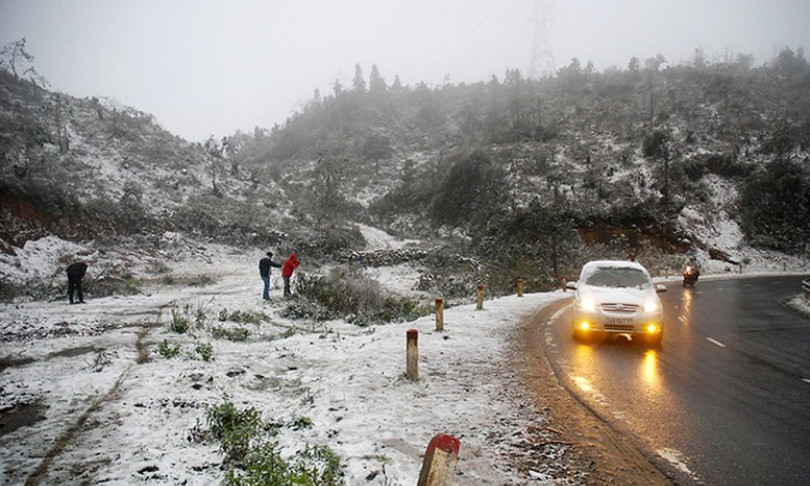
(88,398)
(94,401)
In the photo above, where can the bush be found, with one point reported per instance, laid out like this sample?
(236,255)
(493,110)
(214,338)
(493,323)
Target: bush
(348,294)
(167,350)
(775,207)
(180,322)
(253,458)
(329,241)
(205,351)
(238,334)
(233,428)
(241,317)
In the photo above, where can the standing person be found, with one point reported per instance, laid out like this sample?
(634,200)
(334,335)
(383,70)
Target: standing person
(287,270)
(264,271)
(75,273)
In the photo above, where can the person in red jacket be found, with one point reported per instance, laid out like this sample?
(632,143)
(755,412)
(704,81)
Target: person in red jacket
(287,270)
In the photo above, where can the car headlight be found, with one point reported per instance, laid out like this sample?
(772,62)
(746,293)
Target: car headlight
(587,304)
(651,306)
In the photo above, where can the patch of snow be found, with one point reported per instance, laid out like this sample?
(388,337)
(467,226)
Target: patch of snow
(39,259)
(377,239)
(676,458)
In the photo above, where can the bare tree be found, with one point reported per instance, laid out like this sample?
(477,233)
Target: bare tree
(217,153)
(653,64)
(16,60)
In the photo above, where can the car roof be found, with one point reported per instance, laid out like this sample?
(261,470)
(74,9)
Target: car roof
(614,264)
(594,264)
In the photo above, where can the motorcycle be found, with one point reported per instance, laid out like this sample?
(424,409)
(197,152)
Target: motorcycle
(689,276)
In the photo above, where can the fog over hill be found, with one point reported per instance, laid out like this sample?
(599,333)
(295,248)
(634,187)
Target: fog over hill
(527,177)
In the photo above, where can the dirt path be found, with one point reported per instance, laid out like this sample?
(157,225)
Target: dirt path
(68,435)
(609,457)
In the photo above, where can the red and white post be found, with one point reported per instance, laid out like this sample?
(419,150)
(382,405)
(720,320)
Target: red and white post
(440,461)
(439,315)
(412,354)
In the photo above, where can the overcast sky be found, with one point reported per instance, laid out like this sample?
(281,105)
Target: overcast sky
(211,67)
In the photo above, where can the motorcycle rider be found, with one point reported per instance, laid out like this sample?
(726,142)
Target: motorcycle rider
(693,263)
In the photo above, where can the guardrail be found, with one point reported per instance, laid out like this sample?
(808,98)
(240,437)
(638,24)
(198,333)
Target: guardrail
(806,288)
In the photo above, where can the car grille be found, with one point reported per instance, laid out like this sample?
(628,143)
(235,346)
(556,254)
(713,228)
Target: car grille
(622,308)
(620,327)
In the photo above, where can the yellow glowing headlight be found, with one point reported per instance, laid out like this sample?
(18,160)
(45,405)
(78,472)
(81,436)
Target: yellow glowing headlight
(584,325)
(650,306)
(588,304)
(652,328)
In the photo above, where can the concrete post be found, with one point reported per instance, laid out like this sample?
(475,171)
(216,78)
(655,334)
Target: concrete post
(480,297)
(439,315)
(412,354)
(440,461)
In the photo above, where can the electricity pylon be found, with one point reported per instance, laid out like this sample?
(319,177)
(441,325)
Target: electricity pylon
(542,61)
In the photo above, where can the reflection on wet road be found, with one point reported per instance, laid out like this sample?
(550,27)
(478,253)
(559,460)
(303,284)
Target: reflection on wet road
(724,399)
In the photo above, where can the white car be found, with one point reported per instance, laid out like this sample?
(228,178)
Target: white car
(617,298)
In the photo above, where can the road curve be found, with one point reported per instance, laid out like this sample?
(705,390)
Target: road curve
(724,401)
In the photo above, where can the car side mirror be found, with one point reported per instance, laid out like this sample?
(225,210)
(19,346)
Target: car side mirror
(660,288)
(571,285)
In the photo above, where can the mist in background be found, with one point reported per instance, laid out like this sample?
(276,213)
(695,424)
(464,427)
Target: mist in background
(211,67)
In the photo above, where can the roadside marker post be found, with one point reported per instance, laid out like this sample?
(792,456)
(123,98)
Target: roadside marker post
(439,315)
(412,354)
(520,287)
(480,297)
(440,461)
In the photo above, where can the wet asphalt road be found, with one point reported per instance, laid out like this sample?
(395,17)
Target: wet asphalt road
(725,400)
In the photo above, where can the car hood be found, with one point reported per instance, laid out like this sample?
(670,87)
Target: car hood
(626,295)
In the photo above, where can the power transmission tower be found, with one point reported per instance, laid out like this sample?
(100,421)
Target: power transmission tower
(542,61)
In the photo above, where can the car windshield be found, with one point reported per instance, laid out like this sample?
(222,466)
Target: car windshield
(617,277)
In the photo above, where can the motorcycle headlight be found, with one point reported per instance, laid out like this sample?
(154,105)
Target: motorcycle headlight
(650,306)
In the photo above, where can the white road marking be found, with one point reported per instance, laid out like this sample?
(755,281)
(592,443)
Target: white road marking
(806,380)
(683,319)
(718,343)
(557,314)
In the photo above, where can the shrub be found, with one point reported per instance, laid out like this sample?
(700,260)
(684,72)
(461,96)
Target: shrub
(236,334)
(346,293)
(233,428)
(253,458)
(167,350)
(775,207)
(301,423)
(180,323)
(241,316)
(205,351)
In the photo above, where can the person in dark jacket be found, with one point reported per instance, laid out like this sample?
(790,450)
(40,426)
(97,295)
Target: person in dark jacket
(75,273)
(286,272)
(264,271)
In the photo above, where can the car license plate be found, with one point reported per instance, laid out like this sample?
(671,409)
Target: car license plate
(619,321)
